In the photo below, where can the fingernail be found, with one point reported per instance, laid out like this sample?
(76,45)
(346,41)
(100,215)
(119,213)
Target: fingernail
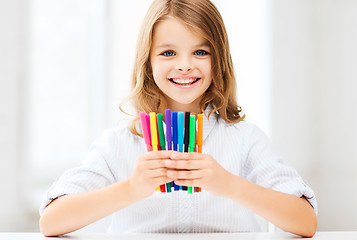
(173,155)
(167,163)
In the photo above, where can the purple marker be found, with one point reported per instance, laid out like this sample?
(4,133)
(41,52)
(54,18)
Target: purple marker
(168,129)
(169,143)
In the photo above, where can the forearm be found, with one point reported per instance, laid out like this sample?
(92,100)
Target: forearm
(286,211)
(72,212)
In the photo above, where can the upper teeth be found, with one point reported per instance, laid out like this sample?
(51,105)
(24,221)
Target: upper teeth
(183,81)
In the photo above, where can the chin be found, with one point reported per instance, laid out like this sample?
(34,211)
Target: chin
(184,102)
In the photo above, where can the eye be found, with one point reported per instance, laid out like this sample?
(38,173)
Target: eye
(168,53)
(201,52)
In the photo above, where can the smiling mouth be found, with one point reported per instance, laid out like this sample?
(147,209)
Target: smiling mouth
(184,82)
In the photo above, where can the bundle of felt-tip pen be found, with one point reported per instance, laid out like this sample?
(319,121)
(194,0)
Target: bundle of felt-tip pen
(180,135)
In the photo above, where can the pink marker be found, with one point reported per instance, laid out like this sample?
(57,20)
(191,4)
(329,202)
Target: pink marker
(145,131)
(147,116)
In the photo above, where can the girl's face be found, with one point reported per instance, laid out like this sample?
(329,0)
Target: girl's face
(181,64)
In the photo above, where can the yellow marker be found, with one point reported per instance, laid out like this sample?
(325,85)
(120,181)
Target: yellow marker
(153,129)
(154,140)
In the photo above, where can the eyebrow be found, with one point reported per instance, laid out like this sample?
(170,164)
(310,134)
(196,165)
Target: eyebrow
(167,45)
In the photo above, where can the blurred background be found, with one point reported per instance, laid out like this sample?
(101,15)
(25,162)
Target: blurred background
(65,65)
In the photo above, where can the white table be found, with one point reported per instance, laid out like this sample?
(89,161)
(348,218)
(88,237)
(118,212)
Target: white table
(207,236)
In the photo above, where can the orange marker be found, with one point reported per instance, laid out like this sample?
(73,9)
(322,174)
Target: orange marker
(199,132)
(199,136)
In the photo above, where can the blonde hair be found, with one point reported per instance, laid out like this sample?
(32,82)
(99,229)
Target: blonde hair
(202,16)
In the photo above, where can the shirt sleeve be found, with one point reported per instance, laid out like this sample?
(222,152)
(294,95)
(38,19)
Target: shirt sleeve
(94,173)
(264,167)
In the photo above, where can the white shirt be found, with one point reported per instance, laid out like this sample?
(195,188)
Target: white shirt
(240,148)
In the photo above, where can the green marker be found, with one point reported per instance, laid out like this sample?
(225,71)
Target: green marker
(162,141)
(161,131)
(192,143)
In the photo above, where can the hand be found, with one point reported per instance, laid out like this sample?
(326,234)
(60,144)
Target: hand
(149,173)
(198,170)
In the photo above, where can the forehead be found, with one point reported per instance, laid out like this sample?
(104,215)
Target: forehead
(171,31)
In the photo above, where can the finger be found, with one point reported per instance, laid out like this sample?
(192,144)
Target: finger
(188,182)
(154,164)
(159,172)
(183,164)
(162,180)
(193,174)
(186,156)
(155,155)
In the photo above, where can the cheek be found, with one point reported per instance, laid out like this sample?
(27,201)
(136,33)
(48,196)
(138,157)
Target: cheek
(206,67)
(208,73)
(159,69)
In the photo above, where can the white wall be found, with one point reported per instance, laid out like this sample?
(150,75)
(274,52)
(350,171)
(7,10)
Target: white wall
(122,39)
(314,101)
(13,19)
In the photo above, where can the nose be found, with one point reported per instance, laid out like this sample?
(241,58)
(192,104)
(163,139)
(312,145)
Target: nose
(184,64)
(184,69)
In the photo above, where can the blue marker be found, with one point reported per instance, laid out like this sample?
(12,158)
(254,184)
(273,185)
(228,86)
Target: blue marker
(180,130)
(187,130)
(174,130)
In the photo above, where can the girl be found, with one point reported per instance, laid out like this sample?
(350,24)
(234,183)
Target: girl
(183,63)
